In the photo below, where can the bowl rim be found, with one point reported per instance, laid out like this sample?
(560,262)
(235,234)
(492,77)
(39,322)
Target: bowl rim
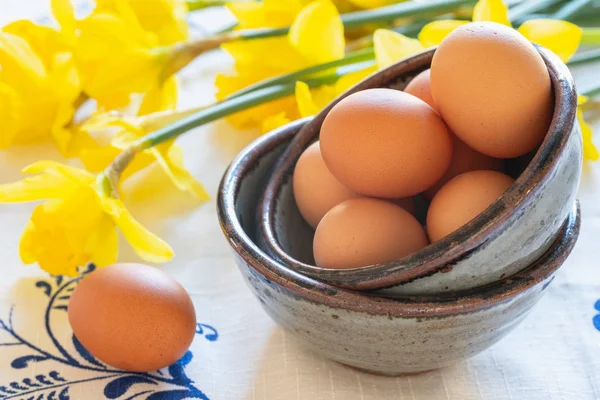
(441,305)
(436,257)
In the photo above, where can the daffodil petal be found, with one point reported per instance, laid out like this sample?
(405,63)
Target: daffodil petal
(274,121)
(10,114)
(103,245)
(51,183)
(27,244)
(165,18)
(491,10)
(65,79)
(351,79)
(52,240)
(249,14)
(281,12)
(561,37)
(305,101)
(76,175)
(147,245)
(43,40)
(161,98)
(320,19)
(170,158)
(391,47)
(62,139)
(63,12)
(434,32)
(19,62)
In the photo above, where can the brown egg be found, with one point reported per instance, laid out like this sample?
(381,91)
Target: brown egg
(316,190)
(133,317)
(385,143)
(464,159)
(462,199)
(363,231)
(420,87)
(493,89)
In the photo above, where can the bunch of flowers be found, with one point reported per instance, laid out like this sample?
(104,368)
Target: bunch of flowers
(291,58)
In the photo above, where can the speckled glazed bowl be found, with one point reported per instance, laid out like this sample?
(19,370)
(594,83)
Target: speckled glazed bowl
(376,334)
(507,237)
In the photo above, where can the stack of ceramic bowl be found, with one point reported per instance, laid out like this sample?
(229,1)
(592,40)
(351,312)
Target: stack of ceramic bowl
(440,305)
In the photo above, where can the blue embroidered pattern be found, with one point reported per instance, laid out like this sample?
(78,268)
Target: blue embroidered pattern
(596,319)
(172,383)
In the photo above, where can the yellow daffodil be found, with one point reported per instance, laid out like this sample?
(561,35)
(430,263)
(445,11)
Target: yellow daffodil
(434,32)
(390,47)
(115,55)
(165,18)
(261,59)
(78,222)
(266,13)
(168,155)
(561,37)
(105,135)
(45,85)
(590,151)
(491,10)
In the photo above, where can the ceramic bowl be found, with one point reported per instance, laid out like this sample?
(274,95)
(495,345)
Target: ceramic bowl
(382,335)
(511,234)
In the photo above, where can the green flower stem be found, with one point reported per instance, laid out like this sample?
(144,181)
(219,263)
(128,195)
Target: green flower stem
(230,106)
(350,58)
(584,57)
(571,9)
(521,10)
(591,92)
(401,10)
(591,37)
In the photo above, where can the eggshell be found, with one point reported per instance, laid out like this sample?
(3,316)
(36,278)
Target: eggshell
(420,87)
(133,317)
(464,159)
(492,88)
(316,190)
(364,231)
(462,199)
(385,143)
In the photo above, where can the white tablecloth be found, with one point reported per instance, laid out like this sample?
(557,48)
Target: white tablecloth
(239,353)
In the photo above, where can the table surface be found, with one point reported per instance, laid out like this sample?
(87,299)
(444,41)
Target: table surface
(239,352)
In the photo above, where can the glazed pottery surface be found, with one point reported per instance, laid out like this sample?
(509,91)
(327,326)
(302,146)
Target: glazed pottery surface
(507,237)
(382,335)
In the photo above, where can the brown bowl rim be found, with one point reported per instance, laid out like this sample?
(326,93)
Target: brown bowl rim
(271,271)
(436,257)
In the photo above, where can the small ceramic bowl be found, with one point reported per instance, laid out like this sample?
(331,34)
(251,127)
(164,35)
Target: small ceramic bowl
(388,336)
(507,237)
